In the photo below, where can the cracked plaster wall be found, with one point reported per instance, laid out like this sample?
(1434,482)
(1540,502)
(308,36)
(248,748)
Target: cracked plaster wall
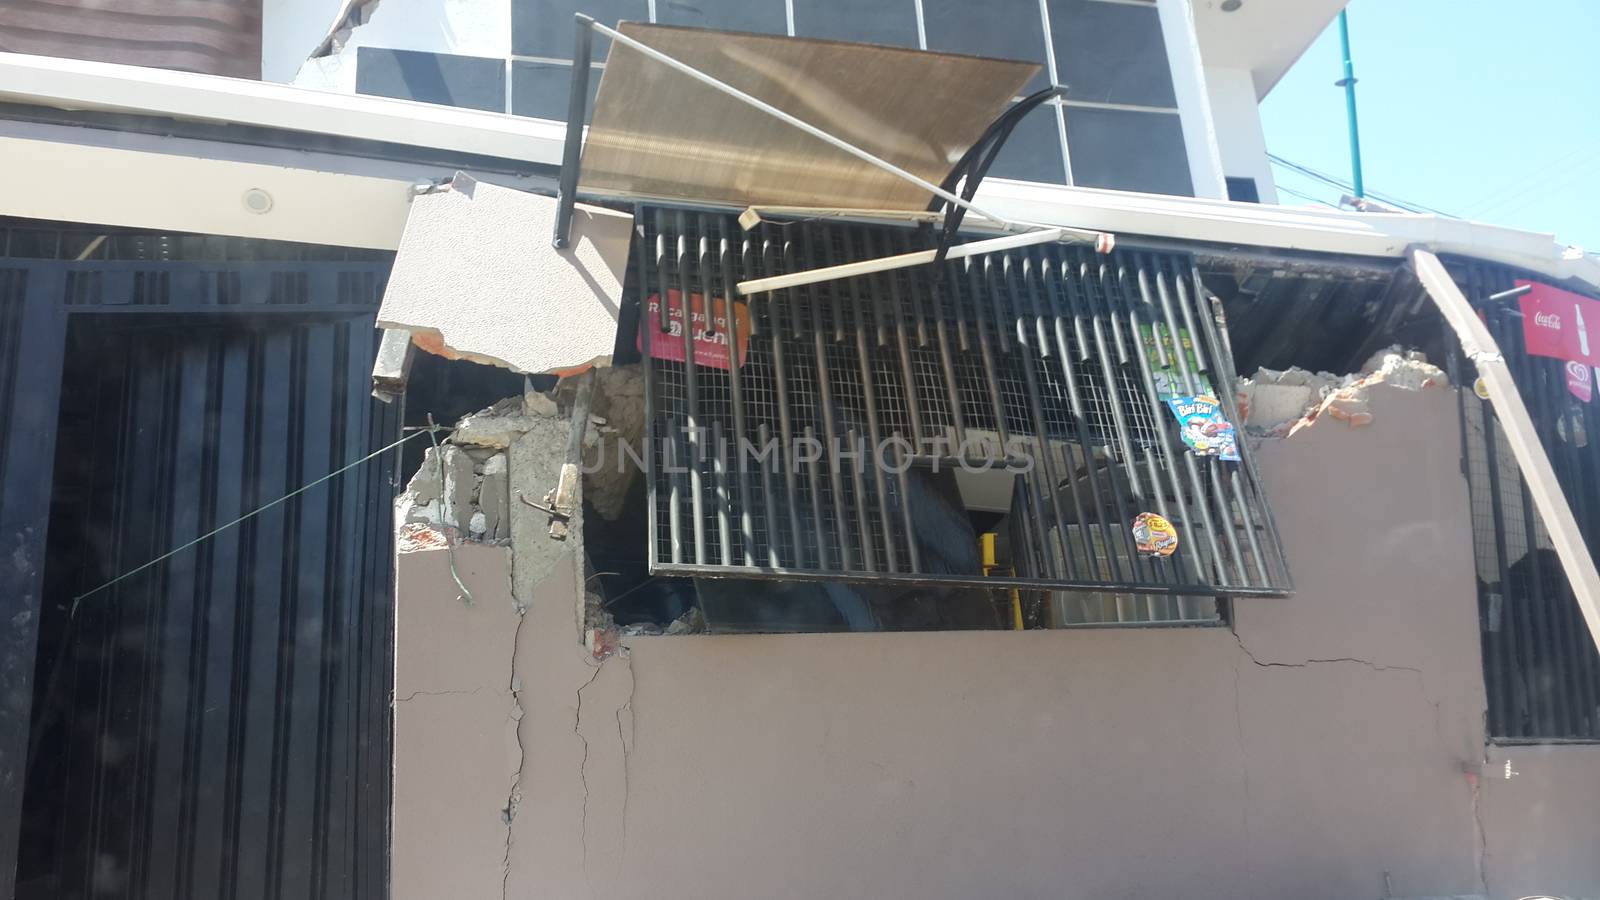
(1332,743)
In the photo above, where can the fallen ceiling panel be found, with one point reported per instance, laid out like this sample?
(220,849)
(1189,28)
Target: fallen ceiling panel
(475,278)
(658,133)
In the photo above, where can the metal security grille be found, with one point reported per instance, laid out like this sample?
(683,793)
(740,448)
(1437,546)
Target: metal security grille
(809,444)
(1541,671)
(218,724)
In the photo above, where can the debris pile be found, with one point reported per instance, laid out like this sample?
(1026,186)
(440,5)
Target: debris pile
(1278,403)
(463,485)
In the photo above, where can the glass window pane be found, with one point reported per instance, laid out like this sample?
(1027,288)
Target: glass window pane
(468,81)
(1128,150)
(544,27)
(892,22)
(765,16)
(541,90)
(1111,52)
(1007,29)
(1033,152)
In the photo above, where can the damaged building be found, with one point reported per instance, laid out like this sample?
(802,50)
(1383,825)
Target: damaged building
(878,455)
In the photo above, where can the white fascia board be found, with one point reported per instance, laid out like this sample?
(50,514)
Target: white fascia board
(1386,235)
(157,188)
(78,85)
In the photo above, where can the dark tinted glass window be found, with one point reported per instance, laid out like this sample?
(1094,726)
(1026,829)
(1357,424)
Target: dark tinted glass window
(1111,52)
(1128,151)
(767,16)
(1243,190)
(544,27)
(541,90)
(1007,29)
(1033,152)
(467,81)
(891,22)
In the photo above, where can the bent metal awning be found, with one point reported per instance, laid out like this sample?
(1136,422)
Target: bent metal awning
(658,134)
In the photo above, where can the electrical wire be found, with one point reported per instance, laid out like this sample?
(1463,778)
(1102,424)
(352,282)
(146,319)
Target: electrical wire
(1325,178)
(1532,177)
(449,542)
(1294,193)
(251,514)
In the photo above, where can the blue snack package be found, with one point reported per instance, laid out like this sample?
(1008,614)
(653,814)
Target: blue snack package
(1203,428)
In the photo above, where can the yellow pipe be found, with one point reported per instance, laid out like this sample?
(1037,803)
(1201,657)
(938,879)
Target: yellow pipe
(986,548)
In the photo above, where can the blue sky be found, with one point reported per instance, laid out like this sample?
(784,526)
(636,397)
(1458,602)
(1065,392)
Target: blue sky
(1485,110)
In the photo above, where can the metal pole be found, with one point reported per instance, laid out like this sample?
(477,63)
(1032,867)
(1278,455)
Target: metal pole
(900,261)
(1348,82)
(577,102)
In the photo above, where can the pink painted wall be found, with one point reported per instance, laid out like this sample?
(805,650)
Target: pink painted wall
(1331,742)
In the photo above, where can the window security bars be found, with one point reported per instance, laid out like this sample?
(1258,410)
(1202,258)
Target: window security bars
(834,431)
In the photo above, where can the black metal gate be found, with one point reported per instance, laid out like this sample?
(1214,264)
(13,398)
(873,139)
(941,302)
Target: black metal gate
(1049,362)
(216,725)
(1541,669)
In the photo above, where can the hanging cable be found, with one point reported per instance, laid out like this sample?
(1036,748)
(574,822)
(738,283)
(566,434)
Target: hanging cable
(1294,193)
(450,543)
(251,514)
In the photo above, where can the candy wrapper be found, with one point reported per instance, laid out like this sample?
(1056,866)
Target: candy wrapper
(1153,535)
(1203,428)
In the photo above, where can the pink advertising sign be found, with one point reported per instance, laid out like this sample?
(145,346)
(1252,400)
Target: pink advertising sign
(1558,324)
(710,336)
(1578,381)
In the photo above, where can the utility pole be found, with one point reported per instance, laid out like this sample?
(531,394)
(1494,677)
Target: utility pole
(1348,82)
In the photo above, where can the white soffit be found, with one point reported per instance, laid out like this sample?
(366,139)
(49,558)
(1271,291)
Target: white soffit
(476,278)
(1265,37)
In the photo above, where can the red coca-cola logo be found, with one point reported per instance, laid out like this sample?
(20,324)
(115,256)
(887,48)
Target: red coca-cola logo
(1547,320)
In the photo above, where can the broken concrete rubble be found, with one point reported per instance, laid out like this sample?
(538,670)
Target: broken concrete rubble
(1279,403)
(497,426)
(463,485)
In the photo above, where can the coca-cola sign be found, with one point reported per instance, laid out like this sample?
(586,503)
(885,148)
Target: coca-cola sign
(1557,324)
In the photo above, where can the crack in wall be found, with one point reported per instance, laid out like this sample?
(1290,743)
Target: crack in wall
(476,690)
(1376,667)
(583,774)
(1481,851)
(1244,769)
(622,742)
(513,796)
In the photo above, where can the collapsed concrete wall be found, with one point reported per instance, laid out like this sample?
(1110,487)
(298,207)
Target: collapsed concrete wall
(1329,745)
(1276,403)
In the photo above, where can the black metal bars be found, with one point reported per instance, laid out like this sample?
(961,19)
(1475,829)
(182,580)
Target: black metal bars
(803,435)
(1541,672)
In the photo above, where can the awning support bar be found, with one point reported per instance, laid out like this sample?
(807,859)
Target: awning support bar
(901,261)
(1480,347)
(572,150)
